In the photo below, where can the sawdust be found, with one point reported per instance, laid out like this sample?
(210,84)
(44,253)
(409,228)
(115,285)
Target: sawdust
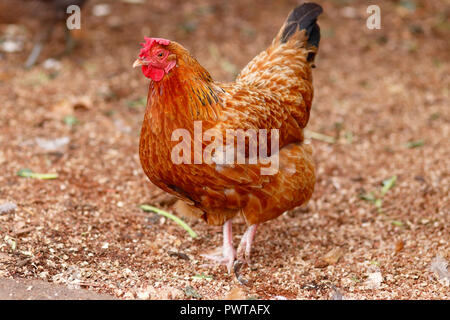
(376,91)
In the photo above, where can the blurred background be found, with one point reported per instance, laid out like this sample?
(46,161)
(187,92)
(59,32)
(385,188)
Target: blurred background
(380,118)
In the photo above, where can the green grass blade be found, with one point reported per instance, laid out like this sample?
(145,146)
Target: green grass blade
(166,214)
(388,184)
(414,144)
(27,173)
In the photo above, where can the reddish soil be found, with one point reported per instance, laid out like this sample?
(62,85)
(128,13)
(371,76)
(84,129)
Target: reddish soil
(383,95)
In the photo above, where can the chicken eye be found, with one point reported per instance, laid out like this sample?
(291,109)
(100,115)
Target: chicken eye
(161,54)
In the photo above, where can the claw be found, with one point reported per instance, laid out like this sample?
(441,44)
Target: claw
(228,256)
(237,268)
(220,259)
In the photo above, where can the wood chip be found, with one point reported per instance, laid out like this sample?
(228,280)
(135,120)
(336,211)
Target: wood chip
(235,294)
(333,256)
(399,246)
(23,231)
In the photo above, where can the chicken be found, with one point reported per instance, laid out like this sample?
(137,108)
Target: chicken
(273,93)
(49,12)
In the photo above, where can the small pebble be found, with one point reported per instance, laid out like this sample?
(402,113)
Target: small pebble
(101,10)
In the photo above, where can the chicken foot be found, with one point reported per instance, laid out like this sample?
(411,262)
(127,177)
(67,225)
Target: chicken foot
(229,257)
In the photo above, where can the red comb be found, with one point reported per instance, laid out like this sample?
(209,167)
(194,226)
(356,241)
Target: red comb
(148,44)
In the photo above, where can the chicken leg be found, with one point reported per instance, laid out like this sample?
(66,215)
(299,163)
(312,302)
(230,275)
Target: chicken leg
(228,253)
(245,246)
(243,252)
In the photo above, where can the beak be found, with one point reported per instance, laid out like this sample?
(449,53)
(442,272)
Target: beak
(139,62)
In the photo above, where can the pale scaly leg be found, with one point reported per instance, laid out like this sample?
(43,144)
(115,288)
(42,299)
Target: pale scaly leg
(245,247)
(228,253)
(243,252)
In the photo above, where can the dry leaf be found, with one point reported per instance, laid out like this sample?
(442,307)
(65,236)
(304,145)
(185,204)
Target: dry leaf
(7,207)
(164,293)
(4,257)
(68,106)
(320,263)
(52,144)
(399,246)
(81,103)
(333,256)
(439,267)
(235,294)
(337,294)
(62,109)
(374,280)
(186,210)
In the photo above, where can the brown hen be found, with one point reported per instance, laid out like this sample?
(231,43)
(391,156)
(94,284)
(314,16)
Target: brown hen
(273,93)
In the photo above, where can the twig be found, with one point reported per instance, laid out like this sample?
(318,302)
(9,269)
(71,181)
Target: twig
(319,136)
(87,284)
(23,231)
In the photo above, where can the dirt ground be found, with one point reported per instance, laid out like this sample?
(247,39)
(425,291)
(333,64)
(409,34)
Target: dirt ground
(40,290)
(381,99)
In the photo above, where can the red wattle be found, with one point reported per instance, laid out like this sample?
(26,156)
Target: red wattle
(153,73)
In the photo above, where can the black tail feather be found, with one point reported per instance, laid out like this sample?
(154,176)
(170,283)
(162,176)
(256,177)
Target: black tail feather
(304,17)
